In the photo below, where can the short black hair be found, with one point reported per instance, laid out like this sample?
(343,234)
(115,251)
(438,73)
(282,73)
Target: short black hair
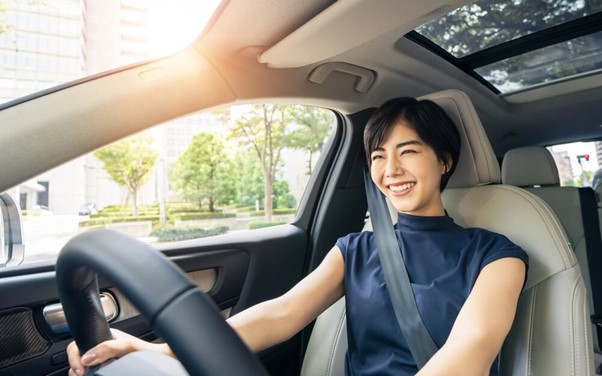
(430,122)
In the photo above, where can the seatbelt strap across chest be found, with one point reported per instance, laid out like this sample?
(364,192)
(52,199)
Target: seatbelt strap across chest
(397,280)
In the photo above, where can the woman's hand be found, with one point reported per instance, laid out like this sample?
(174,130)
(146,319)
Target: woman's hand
(121,344)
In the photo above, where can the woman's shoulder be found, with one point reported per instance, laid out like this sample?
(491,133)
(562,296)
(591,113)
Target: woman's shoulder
(355,241)
(494,245)
(355,237)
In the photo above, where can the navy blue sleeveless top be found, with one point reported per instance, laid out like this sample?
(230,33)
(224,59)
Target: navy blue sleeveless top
(443,262)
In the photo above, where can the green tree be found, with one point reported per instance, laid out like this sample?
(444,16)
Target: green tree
(313,126)
(283,198)
(263,128)
(249,185)
(129,162)
(204,172)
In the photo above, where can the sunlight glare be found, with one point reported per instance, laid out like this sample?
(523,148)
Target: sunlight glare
(174,24)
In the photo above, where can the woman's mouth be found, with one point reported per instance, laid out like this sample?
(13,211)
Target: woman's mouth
(400,189)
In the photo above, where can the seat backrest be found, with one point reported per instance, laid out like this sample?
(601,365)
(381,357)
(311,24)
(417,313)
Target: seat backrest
(550,333)
(534,169)
(598,191)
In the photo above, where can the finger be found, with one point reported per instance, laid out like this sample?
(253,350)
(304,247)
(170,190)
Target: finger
(107,350)
(74,358)
(118,334)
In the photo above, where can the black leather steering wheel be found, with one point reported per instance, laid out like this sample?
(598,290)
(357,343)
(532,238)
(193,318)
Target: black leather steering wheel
(185,317)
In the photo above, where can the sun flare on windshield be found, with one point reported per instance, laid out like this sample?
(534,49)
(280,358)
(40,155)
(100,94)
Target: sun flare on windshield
(174,24)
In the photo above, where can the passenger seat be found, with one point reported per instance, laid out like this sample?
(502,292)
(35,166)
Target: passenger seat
(534,169)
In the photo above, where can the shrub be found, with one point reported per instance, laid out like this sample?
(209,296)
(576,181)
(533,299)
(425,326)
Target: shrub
(99,221)
(261,224)
(173,233)
(261,213)
(284,211)
(202,215)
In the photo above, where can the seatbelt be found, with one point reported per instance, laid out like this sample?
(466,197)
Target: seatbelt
(417,337)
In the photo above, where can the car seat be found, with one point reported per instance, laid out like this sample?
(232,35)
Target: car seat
(534,169)
(550,334)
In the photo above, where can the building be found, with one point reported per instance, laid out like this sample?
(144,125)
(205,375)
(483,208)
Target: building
(58,40)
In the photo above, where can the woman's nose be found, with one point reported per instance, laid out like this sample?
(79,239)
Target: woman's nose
(393,167)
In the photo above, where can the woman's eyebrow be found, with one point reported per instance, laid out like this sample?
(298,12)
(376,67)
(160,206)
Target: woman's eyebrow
(400,145)
(406,143)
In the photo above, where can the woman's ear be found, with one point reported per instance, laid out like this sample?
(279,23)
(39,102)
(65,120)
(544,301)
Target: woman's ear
(447,164)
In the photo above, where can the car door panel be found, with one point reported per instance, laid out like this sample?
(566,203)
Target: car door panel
(236,270)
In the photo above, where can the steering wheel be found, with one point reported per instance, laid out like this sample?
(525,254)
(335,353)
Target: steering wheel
(184,316)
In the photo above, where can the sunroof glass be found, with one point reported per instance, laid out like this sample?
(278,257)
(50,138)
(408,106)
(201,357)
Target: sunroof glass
(515,44)
(577,56)
(487,23)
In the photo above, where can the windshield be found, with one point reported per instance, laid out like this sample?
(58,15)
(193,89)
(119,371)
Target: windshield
(44,43)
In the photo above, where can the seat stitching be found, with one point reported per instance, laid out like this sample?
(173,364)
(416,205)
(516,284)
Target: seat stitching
(549,219)
(578,282)
(336,341)
(586,328)
(572,330)
(531,329)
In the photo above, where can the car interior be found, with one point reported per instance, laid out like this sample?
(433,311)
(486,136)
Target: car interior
(535,81)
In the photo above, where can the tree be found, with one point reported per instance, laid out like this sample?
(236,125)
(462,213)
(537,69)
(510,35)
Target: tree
(263,128)
(204,172)
(313,126)
(128,162)
(249,185)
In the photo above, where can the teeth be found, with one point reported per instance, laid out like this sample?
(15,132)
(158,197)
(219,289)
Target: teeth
(403,187)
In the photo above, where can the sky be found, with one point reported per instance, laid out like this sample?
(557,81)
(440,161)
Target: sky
(579,148)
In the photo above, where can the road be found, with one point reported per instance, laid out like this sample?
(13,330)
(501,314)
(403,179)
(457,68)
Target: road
(45,235)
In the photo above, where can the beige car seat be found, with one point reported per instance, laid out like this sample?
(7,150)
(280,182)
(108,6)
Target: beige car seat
(551,333)
(534,169)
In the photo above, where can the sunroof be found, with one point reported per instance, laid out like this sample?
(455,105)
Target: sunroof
(512,45)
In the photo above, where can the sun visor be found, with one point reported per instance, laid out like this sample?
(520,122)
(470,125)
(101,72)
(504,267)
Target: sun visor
(348,24)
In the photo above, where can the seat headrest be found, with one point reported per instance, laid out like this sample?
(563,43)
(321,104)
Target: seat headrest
(529,166)
(478,164)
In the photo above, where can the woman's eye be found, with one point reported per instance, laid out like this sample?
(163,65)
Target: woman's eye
(407,151)
(375,157)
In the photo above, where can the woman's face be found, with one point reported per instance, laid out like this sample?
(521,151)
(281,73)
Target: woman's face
(408,172)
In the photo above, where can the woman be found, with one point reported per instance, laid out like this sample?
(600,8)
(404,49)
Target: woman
(466,281)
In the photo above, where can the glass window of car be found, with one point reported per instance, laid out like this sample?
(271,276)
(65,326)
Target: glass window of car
(579,163)
(194,177)
(512,45)
(48,43)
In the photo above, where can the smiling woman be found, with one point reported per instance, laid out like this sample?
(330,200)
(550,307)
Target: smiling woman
(97,138)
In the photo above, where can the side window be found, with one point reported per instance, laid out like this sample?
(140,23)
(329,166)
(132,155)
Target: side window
(233,169)
(578,163)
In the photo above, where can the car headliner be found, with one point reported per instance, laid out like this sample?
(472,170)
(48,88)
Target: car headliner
(267,50)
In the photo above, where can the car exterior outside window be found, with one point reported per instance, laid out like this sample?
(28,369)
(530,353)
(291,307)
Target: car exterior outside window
(194,177)
(579,163)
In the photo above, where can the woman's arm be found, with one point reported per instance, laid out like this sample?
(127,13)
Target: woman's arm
(276,320)
(483,322)
(260,326)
